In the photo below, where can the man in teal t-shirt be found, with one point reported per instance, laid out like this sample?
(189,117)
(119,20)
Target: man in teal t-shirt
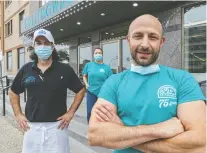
(151,107)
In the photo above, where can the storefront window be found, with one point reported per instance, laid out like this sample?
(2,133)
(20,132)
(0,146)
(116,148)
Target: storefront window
(126,56)
(85,56)
(110,55)
(195,38)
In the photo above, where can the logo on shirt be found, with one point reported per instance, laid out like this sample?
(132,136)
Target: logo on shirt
(102,70)
(167,96)
(30,79)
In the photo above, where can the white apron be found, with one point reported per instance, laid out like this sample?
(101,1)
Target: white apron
(45,138)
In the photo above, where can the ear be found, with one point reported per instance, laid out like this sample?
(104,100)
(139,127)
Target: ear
(162,41)
(128,40)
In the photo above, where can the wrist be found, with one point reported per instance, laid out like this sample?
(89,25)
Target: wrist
(152,131)
(158,130)
(71,112)
(17,113)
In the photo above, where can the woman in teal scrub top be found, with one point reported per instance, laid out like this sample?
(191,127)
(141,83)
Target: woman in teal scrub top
(94,76)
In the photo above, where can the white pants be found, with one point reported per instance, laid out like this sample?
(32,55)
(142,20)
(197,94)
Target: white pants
(45,138)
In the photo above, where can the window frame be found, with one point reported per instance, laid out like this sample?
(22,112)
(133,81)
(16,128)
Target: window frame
(8,28)
(199,76)
(7,63)
(20,15)
(18,51)
(7,3)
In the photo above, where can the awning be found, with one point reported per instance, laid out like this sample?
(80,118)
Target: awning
(46,12)
(86,16)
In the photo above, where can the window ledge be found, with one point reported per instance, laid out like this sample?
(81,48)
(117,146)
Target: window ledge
(8,35)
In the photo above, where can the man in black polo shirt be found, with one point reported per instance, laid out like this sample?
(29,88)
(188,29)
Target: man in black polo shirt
(46,80)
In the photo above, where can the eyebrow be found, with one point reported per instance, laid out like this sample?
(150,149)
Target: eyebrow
(151,33)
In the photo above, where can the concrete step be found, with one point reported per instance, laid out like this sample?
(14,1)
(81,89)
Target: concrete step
(78,147)
(79,131)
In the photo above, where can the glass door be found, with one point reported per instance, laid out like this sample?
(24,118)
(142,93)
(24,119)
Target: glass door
(84,56)
(110,55)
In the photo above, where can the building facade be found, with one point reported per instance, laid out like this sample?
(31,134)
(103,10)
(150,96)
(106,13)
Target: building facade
(14,52)
(81,26)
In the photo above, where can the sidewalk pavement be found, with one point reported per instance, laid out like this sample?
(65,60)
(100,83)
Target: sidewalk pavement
(11,137)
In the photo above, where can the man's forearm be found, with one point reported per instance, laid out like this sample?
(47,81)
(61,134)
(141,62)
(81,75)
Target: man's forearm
(15,103)
(111,135)
(77,100)
(189,142)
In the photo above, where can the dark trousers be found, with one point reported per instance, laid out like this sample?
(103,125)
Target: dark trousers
(91,100)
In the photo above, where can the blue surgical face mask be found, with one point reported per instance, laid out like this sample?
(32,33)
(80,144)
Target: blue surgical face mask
(43,52)
(98,57)
(143,70)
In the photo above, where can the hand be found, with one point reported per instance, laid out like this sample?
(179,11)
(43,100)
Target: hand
(171,128)
(65,120)
(106,114)
(22,121)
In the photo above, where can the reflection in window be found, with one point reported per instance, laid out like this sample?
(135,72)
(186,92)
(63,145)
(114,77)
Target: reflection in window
(195,39)
(110,55)
(126,56)
(85,56)
(9,60)
(63,53)
(21,57)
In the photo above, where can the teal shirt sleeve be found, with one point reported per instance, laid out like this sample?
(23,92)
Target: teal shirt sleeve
(85,69)
(109,90)
(109,71)
(189,90)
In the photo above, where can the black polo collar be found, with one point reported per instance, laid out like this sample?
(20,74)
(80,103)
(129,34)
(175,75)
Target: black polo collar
(34,65)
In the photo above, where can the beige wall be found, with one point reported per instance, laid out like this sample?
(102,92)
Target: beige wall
(13,8)
(13,42)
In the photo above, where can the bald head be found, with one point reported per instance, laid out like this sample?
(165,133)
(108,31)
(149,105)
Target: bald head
(146,20)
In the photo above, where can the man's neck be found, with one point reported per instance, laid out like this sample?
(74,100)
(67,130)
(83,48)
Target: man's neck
(44,65)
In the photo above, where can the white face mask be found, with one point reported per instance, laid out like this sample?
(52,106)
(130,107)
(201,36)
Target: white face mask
(143,70)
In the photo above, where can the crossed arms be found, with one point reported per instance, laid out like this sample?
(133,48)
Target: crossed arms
(187,133)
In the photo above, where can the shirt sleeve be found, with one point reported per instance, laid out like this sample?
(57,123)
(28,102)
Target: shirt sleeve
(17,86)
(109,71)
(85,69)
(189,90)
(109,90)
(74,82)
